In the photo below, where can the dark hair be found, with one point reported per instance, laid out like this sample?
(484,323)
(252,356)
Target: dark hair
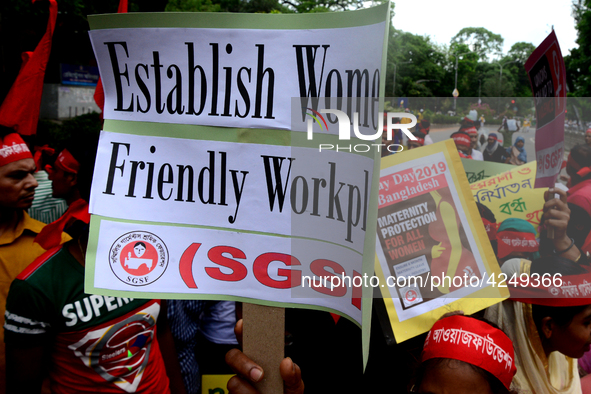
(552,264)
(426,367)
(418,134)
(4,131)
(139,244)
(581,154)
(486,213)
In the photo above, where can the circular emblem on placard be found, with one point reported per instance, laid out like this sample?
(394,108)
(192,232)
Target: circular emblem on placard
(138,258)
(411,295)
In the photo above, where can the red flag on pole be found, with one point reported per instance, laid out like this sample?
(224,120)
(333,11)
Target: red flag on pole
(20,109)
(99,93)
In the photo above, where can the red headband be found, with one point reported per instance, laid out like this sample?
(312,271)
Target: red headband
(474,342)
(515,241)
(420,141)
(13,148)
(66,162)
(470,130)
(461,139)
(588,131)
(552,290)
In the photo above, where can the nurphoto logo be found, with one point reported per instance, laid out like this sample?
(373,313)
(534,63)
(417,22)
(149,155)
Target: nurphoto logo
(366,125)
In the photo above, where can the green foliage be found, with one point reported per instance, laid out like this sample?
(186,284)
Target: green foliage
(57,136)
(192,6)
(445,119)
(481,41)
(415,58)
(578,64)
(483,109)
(521,51)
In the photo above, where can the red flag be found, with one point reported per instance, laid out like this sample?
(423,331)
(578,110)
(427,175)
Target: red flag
(20,109)
(51,235)
(99,93)
(122,7)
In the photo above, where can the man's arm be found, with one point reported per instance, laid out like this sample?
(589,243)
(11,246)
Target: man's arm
(25,369)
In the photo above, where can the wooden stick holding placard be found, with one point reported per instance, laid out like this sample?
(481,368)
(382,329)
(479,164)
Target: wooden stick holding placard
(263,340)
(550,230)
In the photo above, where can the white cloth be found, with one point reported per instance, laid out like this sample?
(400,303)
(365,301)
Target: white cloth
(428,140)
(477,155)
(536,374)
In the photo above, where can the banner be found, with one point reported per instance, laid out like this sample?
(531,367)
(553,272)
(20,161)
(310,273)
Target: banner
(433,253)
(511,194)
(477,170)
(547,76)
(201,191)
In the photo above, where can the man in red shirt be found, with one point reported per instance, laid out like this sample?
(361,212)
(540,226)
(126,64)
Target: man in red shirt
(87,343)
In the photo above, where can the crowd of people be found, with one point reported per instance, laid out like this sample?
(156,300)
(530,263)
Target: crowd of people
(543,344)
(58,338)
(470,141)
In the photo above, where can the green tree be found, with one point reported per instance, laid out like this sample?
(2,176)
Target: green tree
(467,69)
(415,58)
(521,51)
(578,64)
(480,40)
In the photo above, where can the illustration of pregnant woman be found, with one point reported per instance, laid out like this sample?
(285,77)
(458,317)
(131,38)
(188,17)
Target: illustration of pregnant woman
(449,258)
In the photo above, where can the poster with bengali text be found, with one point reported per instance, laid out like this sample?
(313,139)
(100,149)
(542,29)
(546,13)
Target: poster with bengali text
(547,75)
(432,251)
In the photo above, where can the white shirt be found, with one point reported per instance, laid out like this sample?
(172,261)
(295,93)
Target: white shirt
(477,155)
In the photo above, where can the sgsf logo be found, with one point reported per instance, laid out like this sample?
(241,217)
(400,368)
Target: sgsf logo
(345,130)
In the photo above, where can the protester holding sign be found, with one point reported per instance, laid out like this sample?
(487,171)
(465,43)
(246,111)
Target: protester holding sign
(446,366)
(546,339)
(94,343)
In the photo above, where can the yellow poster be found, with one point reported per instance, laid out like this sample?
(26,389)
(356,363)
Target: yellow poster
(511,194)
(433,255)
(215,384)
